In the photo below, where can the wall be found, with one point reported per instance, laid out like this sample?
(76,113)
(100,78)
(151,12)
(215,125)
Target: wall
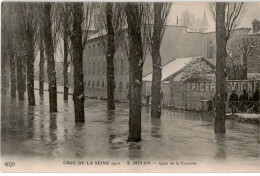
(165,87)
(94,69)
(177,43)
(189,95)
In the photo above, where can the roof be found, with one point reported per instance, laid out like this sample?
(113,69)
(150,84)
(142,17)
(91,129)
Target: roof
(204,22)
(171,68)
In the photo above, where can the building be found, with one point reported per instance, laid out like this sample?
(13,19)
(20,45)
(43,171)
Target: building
(174,74)
(94,68)
(177,42)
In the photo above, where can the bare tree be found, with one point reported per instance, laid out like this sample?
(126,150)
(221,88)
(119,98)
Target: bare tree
(41,64)
(81,14)
(134,13)
(12,73)
(48,40)
(39,42)
(220,96)
(8,48)
(234,13)
(3,69)
(61,18)
(66,50)
(227,16)
(111,20)
(158,16)
(20,79)
(239,50)
(27,11)
(4,48)
(14,29)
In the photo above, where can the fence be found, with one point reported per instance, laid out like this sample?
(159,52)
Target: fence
(205,105)
(243,106)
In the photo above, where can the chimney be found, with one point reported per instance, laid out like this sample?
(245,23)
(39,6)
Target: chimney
(256,26)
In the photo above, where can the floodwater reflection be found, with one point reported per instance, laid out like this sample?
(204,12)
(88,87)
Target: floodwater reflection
(30,122)
(221,146)
(156,127)
(35,132)
(53,126)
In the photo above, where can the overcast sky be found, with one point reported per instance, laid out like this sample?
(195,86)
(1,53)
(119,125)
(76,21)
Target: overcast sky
(197,8)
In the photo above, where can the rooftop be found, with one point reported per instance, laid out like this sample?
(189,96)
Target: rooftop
(171,68)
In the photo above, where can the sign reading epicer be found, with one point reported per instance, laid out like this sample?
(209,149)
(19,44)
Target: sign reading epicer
(249,85)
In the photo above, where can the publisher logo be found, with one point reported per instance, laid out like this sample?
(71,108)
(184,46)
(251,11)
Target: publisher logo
(9,164)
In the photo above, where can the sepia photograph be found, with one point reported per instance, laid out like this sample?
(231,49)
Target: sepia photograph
(154,87)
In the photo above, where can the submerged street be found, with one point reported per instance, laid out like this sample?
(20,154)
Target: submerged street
(32,132)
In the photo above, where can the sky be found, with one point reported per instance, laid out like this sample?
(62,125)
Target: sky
(197,8)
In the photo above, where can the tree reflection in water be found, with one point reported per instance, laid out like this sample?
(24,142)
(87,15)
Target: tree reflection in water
(220,146)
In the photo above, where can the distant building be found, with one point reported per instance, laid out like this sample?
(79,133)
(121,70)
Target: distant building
(204,25)
(177,42)
(174,73)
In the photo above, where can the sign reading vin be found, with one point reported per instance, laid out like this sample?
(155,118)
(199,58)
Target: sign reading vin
(239,86)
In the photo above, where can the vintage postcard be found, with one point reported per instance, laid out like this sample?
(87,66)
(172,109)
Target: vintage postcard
(130,86)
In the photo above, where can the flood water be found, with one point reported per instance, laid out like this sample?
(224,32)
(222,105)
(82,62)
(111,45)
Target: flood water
(33,132)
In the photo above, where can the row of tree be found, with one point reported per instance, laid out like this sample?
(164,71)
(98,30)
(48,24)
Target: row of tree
(31,27)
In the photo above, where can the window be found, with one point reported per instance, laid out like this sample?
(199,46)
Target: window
(210,49)
(127,67)
(98,49)
(98,68)
(103,67)
(89,83)
(120,86)
(94,67)
(115,69)
(93,84)
(97,83)
(103,84)
(89,68)
(121,66)
(89,50)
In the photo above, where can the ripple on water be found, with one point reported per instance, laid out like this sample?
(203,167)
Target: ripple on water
(34,131)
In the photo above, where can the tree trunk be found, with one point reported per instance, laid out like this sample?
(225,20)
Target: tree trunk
(220,96)
(50,58)
(20,81)
(110,57)
(3,74)
(12,75)
(244,69)
(76,38)
(30,66)
(156,59)
(41,67)
(24,73)
(136,66)
(65,64)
